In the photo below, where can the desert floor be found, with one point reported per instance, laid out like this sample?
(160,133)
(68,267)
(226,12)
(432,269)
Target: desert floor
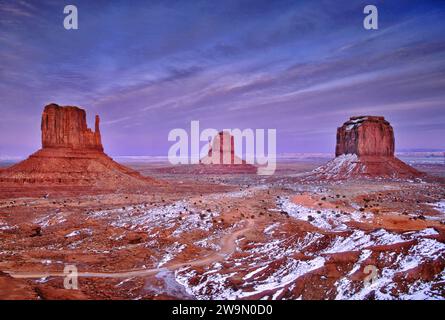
(227,237)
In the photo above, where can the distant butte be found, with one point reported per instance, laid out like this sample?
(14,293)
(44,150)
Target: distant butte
(222,151)
(71,155)
(221,157)
(365,149)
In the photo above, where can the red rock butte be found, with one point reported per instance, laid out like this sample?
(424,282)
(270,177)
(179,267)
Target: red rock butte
(222,151)
(221,157)
(71,155)
(66,127)
(365,149)
(365,136)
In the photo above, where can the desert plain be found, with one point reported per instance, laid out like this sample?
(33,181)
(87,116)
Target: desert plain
(225,236)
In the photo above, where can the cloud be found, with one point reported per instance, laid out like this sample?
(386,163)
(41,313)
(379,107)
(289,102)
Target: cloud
(16,9)
(145,67)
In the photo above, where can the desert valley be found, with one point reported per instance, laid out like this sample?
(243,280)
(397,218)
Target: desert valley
(363,225)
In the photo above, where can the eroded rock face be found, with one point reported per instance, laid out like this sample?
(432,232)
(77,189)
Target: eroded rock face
(222,159)
(365,136)
(66,127)
(365,149)
(71,155)
(222,150)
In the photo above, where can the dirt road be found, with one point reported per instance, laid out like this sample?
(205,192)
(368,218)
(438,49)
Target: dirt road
(228,246)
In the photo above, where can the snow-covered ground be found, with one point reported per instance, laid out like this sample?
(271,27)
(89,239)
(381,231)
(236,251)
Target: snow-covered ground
(180,214)
(172,252)
(272,266)
(344,165)
(439,206)
(383,285)
(327,219)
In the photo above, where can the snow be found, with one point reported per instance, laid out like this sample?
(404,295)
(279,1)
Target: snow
(246,193)
(179,215)
(72,234)
(280,262)
(343,164)
(422,233)
(429,248)
(172,252)
(288,273)
(4,226)
(425,250)
(425,291)
(326,219)
(383,237)
(357,240)
(277,294)
(209,243)
(78,232)
(281,248)
(214,285)
(51,219)
(309,239)
(254,272)
(365,254)
(124,281)
(258,268)
(211,286)
(439,206)
(270,229)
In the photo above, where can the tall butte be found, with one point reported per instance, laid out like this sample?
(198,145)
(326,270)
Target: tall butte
(221,157)
(365,149)
(71,155)
(66,127)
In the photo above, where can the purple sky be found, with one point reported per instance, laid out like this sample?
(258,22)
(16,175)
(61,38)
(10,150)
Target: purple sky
(302,67)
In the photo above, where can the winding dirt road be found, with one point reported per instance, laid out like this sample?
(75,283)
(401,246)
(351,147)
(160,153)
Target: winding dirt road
(228,246)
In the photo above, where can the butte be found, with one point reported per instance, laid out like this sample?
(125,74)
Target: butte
(220,159)
(365,149)
(72,156)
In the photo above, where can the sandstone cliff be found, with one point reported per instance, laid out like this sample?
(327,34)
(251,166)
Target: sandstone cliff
(71,155)
(365,149)
(221,157)
(222,151)
(365,136)
(66,127)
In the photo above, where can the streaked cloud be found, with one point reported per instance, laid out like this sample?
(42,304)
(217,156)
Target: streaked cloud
(302,67)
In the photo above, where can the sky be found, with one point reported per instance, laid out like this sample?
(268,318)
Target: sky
(147,67)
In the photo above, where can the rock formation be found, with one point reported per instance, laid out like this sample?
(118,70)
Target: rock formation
(365,136)
(221,157)
(71,155)
(66,127)
(365,149)
(222,151)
